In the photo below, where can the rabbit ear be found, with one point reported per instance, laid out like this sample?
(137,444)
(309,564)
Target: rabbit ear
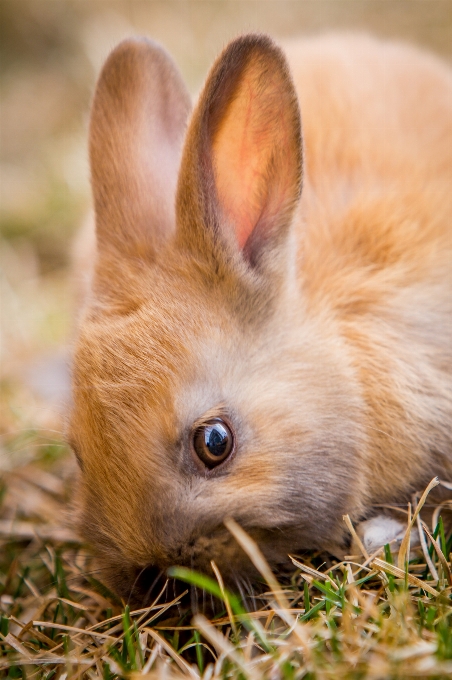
(242,163)
(138,121)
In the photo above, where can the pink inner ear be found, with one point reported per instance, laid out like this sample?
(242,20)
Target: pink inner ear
(254,161)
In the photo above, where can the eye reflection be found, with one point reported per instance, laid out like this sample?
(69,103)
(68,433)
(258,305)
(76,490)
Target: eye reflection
(213,442)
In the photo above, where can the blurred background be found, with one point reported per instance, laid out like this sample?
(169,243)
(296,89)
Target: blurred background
(51,53)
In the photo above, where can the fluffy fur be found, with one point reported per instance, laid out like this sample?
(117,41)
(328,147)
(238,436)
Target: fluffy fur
(320,327)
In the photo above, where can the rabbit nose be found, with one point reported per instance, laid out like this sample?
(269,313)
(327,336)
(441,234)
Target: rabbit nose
(213,442)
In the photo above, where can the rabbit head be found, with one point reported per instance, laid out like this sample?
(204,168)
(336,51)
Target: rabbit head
(202,388)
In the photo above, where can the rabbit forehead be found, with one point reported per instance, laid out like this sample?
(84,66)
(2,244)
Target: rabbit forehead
(158,371)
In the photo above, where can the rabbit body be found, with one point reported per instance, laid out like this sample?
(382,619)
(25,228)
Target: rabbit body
(317,328)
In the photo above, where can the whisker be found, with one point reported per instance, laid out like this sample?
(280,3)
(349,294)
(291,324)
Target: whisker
(83,574)
(34,447)
(390,436)
(32,432)
(251,592)
(194,599)
(193,593)
(151,588)
(134,584)
(178,605)
(242,593)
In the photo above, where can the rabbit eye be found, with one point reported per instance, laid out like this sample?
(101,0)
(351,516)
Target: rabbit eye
(213,442)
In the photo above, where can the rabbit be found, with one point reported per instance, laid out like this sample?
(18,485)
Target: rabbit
(267,333)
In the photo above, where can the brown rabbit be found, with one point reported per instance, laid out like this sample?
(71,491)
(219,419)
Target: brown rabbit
(244,353)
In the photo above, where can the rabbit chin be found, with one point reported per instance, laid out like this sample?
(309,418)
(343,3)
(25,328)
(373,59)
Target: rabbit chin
(140,584)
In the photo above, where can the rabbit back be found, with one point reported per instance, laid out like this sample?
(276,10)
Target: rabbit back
(375,237)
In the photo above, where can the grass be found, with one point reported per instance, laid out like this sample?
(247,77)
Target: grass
(376,616)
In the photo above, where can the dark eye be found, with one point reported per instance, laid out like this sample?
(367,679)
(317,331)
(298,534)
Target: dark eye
(213,442)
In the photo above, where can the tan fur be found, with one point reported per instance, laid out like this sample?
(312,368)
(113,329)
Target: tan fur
(324,335)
